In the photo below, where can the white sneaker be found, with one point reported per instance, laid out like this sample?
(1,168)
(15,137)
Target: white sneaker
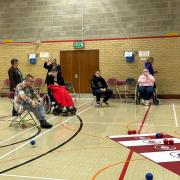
(98,103)
(70,108)
(146,102)
(64,110)
(142,101)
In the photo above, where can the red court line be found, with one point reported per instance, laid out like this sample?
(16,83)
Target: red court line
(123,172)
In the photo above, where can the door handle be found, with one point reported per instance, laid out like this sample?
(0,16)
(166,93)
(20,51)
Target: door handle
(76,76)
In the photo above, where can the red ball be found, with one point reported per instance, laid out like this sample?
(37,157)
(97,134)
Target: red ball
(171,142)
(129,131)
(133,131)
(165,141)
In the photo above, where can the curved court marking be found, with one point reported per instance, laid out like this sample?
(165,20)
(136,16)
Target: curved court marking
(5,155)
(106,167)
(28,177)
(51,150)
(19,134)
(33,127)
(38,132)
(125,167)
(84,133)
(111,165)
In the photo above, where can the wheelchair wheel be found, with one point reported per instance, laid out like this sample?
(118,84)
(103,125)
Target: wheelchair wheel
(73,110)
(155,101)
(56,111)
(46,102)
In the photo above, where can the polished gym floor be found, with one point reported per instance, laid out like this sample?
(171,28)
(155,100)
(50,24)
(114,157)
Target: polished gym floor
(77,147)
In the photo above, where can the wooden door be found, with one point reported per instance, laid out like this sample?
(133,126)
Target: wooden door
(78,66)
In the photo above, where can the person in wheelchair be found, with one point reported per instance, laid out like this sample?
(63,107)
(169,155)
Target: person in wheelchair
(61,98)
(145,86)
(58,97)
(26,98)
(99,88)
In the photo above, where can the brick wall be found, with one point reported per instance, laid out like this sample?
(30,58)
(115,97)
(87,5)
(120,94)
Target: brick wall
(166,52)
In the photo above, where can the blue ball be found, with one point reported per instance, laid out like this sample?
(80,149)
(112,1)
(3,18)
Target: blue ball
(158,135)
(149,176)
(33,142)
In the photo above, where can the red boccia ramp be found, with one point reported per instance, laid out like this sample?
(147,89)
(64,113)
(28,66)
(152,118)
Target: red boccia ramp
(147,145)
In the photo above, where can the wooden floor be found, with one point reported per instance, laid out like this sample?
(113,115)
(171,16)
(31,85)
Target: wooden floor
(77,148)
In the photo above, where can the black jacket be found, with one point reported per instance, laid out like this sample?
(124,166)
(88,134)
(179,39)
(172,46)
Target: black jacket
(15,77)
(97,83)
(50,79)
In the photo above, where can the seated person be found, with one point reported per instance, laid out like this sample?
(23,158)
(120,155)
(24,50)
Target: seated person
(149,65)
(99,87)
(146,83)
(23,100)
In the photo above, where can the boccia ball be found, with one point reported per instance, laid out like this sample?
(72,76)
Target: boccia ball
(33,142)
(171,142)
(149,176)
(158,135)
(165,141)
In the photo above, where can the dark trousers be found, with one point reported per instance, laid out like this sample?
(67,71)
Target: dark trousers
(146,92)
(14,113)
(98,93)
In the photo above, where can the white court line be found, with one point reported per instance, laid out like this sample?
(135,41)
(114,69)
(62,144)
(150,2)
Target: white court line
(28,177)
(17,134)
(32,128)
(175,116)
(83,104)
(3,156)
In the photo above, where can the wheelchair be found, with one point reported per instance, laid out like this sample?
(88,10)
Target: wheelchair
(49,102)
(154,97)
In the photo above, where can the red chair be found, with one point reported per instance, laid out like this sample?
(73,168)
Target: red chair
(122,87)
(6,87)
(7,83)
(113,84)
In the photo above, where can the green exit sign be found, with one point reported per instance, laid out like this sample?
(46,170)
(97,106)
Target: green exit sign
(78,45)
